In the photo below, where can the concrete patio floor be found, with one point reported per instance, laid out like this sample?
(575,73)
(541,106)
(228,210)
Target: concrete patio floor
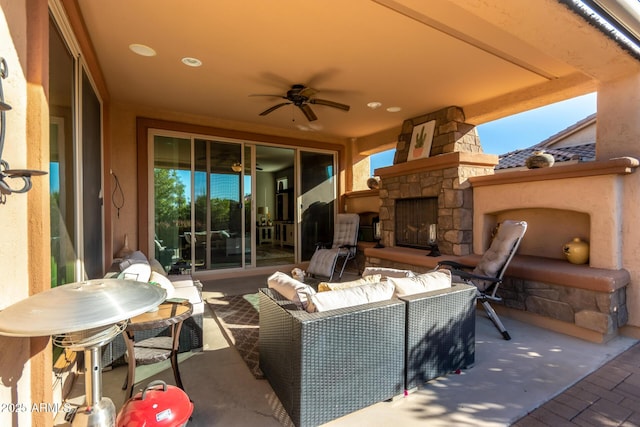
(509,380)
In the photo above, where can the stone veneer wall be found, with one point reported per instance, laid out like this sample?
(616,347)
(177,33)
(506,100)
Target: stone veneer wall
(602,312)
(455,204)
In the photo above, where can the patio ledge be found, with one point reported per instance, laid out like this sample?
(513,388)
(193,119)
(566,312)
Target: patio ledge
(616,166)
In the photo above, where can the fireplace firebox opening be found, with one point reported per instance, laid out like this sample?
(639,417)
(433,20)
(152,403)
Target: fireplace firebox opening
(414,220)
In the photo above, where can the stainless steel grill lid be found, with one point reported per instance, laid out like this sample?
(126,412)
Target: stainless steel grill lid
(79,306)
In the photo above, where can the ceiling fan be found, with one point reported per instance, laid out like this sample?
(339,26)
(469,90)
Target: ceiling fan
(301,96)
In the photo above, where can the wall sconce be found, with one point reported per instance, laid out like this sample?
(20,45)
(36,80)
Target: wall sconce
(236,167)
(5,169)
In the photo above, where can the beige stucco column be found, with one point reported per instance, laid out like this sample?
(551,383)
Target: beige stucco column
(618,134)
(39,247)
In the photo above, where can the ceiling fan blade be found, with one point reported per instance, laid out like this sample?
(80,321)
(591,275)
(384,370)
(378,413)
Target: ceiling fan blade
(329,104)
(275,107)
(271,95)
(308,112)
(307,92)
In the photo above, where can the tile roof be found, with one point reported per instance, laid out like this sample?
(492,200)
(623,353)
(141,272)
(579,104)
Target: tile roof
(583,153)
(514,159)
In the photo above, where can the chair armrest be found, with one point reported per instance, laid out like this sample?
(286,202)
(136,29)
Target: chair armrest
(466,275)
(453,264)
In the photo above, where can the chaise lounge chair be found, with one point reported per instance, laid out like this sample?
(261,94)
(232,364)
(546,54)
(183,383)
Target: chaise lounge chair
(345,238)
(487,275)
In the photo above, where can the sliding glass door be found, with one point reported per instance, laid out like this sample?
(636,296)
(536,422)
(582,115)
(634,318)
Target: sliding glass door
(75,162)
(226,204)
(219,237)
(317,200)
(172,202)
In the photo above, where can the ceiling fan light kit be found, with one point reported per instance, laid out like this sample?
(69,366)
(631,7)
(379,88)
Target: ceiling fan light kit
(302,96)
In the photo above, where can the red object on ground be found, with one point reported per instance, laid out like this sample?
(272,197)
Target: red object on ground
(158,404)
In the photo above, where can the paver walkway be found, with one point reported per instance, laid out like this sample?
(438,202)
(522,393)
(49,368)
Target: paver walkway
(609,396)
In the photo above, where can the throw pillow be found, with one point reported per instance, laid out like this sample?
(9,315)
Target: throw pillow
(323,301)
(163,282)
(290,288)
(136,257)
(427,282)
(139,272)
(328,286)
(387,272)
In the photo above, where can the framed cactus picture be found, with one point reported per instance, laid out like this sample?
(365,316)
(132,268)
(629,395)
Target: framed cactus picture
(421,139)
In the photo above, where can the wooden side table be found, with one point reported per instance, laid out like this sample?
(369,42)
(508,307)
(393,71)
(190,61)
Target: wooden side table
(156,349)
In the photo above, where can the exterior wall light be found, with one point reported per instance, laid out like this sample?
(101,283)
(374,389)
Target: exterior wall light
(6,172)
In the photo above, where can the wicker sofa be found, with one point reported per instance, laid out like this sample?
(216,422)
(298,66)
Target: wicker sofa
(325,365)
(440,333)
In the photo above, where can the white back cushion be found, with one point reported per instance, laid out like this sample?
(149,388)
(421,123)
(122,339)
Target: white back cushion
(140,272)
(387,272)
(332,286)
(432,281)
(323,301)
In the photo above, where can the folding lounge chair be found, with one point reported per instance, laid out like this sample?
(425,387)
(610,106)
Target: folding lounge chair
(487,275)
(345,238)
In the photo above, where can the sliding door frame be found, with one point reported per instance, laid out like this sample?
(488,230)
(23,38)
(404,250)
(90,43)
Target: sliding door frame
(146,127)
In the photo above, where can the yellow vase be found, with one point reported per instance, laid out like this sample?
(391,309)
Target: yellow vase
(576,251)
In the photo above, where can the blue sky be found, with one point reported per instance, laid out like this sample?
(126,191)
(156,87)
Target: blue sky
(521,130)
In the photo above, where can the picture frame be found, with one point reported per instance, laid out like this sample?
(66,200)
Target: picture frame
(421,140)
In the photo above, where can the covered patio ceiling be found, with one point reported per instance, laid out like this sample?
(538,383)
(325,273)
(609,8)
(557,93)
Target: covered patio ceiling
(493,59)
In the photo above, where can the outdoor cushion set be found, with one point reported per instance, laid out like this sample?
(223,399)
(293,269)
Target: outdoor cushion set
(346,346)
(136,266)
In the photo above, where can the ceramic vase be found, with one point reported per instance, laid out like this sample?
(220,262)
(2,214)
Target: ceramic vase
(576,251)
(540,159)
(373,183)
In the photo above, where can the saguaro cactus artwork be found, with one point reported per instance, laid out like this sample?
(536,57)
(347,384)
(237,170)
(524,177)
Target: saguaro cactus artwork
(421,140)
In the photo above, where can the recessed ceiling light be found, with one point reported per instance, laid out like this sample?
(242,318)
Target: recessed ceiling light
(374,104)
(142,50)
(191,62)
(394,109)
(309,127)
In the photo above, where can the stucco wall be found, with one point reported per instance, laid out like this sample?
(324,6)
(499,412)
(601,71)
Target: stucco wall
(15,369)
(618,134)
(599,202)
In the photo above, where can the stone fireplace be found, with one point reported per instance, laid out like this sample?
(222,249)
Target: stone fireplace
(455,156)
(541,287)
